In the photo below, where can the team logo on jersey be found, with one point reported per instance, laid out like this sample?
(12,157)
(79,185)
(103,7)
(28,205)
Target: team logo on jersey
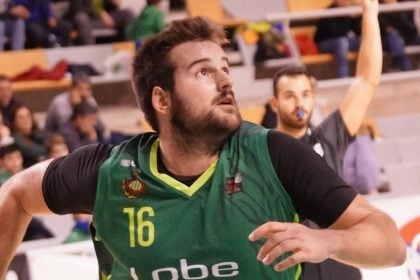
(133,187)
(318,149)
(234,185)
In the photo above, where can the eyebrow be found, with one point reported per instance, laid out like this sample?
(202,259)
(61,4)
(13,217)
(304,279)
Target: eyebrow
(225,58)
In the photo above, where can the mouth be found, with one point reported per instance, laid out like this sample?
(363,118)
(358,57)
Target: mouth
(300,113)
(226,101)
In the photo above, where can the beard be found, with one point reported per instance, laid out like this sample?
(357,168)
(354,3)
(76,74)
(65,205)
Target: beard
(209,130)
(292,121)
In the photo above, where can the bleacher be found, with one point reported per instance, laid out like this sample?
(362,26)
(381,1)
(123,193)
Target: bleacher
(398,152)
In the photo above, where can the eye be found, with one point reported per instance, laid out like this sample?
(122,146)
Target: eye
(203,72)
(226,70)
(306,94)
(288,96)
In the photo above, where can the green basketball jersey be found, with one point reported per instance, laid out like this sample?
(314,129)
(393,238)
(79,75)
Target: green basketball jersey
(158,228)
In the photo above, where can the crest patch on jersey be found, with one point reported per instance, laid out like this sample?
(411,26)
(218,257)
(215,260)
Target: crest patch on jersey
(234,185)
(134,187)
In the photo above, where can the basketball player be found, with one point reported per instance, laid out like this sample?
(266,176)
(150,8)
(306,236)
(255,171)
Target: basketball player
(206,196)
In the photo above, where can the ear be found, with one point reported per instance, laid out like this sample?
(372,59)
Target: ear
(274,103)
(160,100)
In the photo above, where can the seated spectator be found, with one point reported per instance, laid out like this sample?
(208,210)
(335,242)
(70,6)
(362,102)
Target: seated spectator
(56,146)
(149,22)
(360,168)
(8,102)
(398,30)
(60,109)
(11,27)
(43,29)
(11,162)
(87,14)
(80,230)
(5,134)
(338,36)
(28,137)
(83,128)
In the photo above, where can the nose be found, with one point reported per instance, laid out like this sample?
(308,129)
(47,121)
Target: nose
(224,81)
(299,101)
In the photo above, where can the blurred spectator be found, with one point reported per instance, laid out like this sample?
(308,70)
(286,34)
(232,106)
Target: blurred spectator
(398,30)
(87,15)
(5,134)
(11,27)
(149,22)
(60,109)
(28,137)
(83,127)
(360,169)
(11,162)
(80,230)
(43,29)
(7,101)
(338,36)
(56,146)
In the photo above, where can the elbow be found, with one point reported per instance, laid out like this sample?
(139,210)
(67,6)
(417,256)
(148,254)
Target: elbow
(401,252)
(397,254)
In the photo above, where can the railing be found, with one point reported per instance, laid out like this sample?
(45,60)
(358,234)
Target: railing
(287,17)
(333,12)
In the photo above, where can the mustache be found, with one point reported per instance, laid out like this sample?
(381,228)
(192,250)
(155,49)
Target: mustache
(300,112)
(228,93)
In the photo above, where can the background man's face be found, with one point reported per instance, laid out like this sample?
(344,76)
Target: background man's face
(294,102)
(84,90)
(5,92)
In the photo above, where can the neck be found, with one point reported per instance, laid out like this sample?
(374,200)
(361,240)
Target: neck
(292,131)
(185,158)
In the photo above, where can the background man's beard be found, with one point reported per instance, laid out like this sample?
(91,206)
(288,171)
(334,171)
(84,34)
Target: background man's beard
(209,130)
(292,122)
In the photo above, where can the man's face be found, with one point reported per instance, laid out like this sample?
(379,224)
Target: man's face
(23,121)
(84,90)
(294,102)
(86,123)
(203,102)
(5,92)
(12,162)
(58,150)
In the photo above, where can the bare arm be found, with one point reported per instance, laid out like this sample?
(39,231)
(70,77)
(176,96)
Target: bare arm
(20,198)
(363,237)
(368,70)
(371,239)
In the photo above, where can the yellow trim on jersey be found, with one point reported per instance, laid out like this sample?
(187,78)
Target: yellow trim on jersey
(187,190)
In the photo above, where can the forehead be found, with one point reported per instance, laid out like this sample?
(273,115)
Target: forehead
(293,83)
(23,111)
(12,154)
(187,53)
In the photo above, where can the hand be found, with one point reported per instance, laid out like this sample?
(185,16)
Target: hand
(304,244)
(20,11)
(370,6)
(52,22)
(107,20)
